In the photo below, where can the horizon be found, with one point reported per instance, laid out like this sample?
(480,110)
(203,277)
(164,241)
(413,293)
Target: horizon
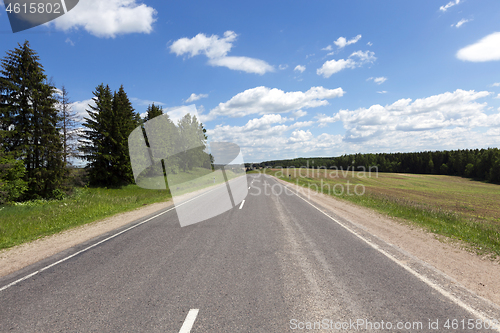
(287,80)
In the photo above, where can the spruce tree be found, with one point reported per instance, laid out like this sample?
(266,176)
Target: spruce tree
(105,141)
(30,121)
(153,111)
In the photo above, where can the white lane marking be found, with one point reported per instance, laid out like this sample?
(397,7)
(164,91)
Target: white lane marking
(422,278)
(242,203)
(64,6)
(98,243)
(189,321)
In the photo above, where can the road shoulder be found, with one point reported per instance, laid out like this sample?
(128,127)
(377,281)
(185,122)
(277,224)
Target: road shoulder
(477,274)
(23,255)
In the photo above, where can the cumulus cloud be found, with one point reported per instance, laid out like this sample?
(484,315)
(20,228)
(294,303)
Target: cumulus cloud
(263,100)
(300,68)
(216,48)
(496,84)
(342,42)
(328,48)
(323,120)
(108,18)
(486,49)
(270,136)
(460,23)
(299,113)
(331,67)
(80,108)
(449,5)
(283,67)
(195,97)
(450,109)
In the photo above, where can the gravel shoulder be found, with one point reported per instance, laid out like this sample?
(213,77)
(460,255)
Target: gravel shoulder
(23,255)
(477,274)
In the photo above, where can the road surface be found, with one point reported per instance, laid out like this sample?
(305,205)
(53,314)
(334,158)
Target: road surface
(273,263)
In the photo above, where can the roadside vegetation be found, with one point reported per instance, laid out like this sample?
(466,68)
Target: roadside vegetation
(41,193)
(459,208)
(30,220)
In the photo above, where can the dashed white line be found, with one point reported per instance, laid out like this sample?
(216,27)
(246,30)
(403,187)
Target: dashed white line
(242,203)
(189,321)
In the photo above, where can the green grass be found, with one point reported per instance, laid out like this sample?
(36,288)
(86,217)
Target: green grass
(455,207)
(32,220)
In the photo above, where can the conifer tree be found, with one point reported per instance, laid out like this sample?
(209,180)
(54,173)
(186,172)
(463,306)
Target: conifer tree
(105,141)
(153,111)
(30,121)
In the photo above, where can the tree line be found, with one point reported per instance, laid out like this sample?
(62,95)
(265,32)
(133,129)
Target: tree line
(480,164)
(40,134)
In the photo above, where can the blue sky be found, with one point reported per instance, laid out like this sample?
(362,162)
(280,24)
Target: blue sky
(287,79)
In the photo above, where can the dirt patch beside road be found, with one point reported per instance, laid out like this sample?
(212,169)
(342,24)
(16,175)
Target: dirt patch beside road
(26,254)
(476,274)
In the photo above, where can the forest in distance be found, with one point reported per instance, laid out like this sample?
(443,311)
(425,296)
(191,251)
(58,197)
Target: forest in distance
(480,164)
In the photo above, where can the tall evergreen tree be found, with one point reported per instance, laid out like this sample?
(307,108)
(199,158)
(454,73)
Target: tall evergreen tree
(30,121)
(153,111)
(105,141)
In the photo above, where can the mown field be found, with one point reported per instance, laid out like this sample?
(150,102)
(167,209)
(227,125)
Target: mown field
(456,207)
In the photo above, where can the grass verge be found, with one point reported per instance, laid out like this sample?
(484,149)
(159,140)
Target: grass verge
(32,220)
(454,207)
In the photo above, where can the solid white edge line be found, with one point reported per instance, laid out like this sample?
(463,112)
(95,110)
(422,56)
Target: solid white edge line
(189,321)
(64,6)
(422,278)
(242,203)
(98,243)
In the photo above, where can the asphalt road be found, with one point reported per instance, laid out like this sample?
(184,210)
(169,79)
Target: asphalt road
(273,263)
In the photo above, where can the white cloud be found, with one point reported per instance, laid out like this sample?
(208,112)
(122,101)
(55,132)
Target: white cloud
(300,68)
(268,137)
(382,92)
(341,42)
(299,113)
(283,67)
(460,23)
(323,120)
(328,48)
(69,41)
(369,43)
(331,67)
(447,110)
(377,80)
(195,97)
(498,97)
(334,66)
(80,108)
(449,5)
(497,84)
(245,64)
(263,100)
(216,49)
(108,18)
(486,49)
